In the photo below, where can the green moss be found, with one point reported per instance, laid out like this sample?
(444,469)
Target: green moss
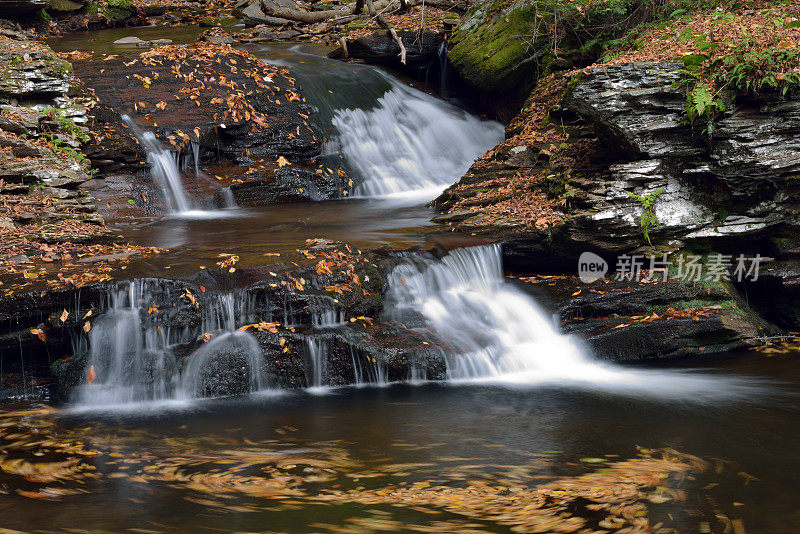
(493,55)
(118,10)
(59,67)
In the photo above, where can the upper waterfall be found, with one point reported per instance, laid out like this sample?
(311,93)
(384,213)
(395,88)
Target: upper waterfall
(411,142)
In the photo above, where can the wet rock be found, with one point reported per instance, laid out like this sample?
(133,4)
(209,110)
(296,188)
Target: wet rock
(627,321)
(272,160)
(64,6)
(637,108)
(131,40)
(21,8)
(216,36)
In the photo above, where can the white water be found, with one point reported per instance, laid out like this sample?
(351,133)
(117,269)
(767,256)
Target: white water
(165,172)
(496,333)
(317,371)
(411,142)
(135,359)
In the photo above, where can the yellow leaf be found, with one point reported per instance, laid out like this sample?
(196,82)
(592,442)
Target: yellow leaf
(282,162)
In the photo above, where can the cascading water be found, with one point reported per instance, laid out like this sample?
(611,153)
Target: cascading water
(494,329)
(496,333)
(165,170)
(134,359)
(317,371)
(229,363)
(325,315)
(163,167)
(411,142)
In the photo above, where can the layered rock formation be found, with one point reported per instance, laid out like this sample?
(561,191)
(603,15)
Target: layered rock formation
(590,148)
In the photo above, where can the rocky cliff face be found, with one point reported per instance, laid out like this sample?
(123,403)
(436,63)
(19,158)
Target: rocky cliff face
(42,129)
(738,182)
(574,174)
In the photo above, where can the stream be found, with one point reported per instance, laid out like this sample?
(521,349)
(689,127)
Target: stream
(521,404)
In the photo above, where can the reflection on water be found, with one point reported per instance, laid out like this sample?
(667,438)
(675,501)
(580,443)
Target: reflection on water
(424,459)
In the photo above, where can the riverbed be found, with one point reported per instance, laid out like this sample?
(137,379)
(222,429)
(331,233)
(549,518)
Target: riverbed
(522,411)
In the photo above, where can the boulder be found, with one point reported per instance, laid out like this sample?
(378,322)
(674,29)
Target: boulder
(129,41)
(252,15)
(491,49)
(64,6)
(21,8)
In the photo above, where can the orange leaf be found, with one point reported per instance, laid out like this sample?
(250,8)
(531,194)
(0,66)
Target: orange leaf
(90,374)
(39,333)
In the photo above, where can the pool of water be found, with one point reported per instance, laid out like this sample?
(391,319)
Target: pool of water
(339,462)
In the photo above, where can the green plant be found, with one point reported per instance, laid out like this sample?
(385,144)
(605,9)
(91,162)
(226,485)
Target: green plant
(648,219)
(65,124)
(63,148)
(35,188)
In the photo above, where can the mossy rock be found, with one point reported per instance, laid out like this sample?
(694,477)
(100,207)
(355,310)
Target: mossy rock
(64,6)
(118,10)
(494,47)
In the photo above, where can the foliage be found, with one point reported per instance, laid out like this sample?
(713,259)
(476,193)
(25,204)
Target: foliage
(65,124)
(65,149)
(745,47)
(648,219)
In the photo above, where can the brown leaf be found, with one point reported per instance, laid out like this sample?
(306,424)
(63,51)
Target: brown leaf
(90,374)
(64,316)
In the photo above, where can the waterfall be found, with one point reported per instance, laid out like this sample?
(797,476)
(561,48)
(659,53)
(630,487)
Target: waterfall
(132,363)
(326,315)
(496,333)
(317,371)
(411,142)
(494,330)
(163,167)
(444,65)
(136,359)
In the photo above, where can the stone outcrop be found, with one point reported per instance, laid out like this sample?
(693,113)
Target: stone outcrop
(611,136)
(739,181)
(42,131)
(256,132)
(494,48)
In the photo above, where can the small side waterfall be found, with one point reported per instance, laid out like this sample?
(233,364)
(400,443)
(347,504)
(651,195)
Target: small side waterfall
(318,356)
(163,167)
(230,362)
(444,65)
(325,315)
(133,359)
(411,142)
